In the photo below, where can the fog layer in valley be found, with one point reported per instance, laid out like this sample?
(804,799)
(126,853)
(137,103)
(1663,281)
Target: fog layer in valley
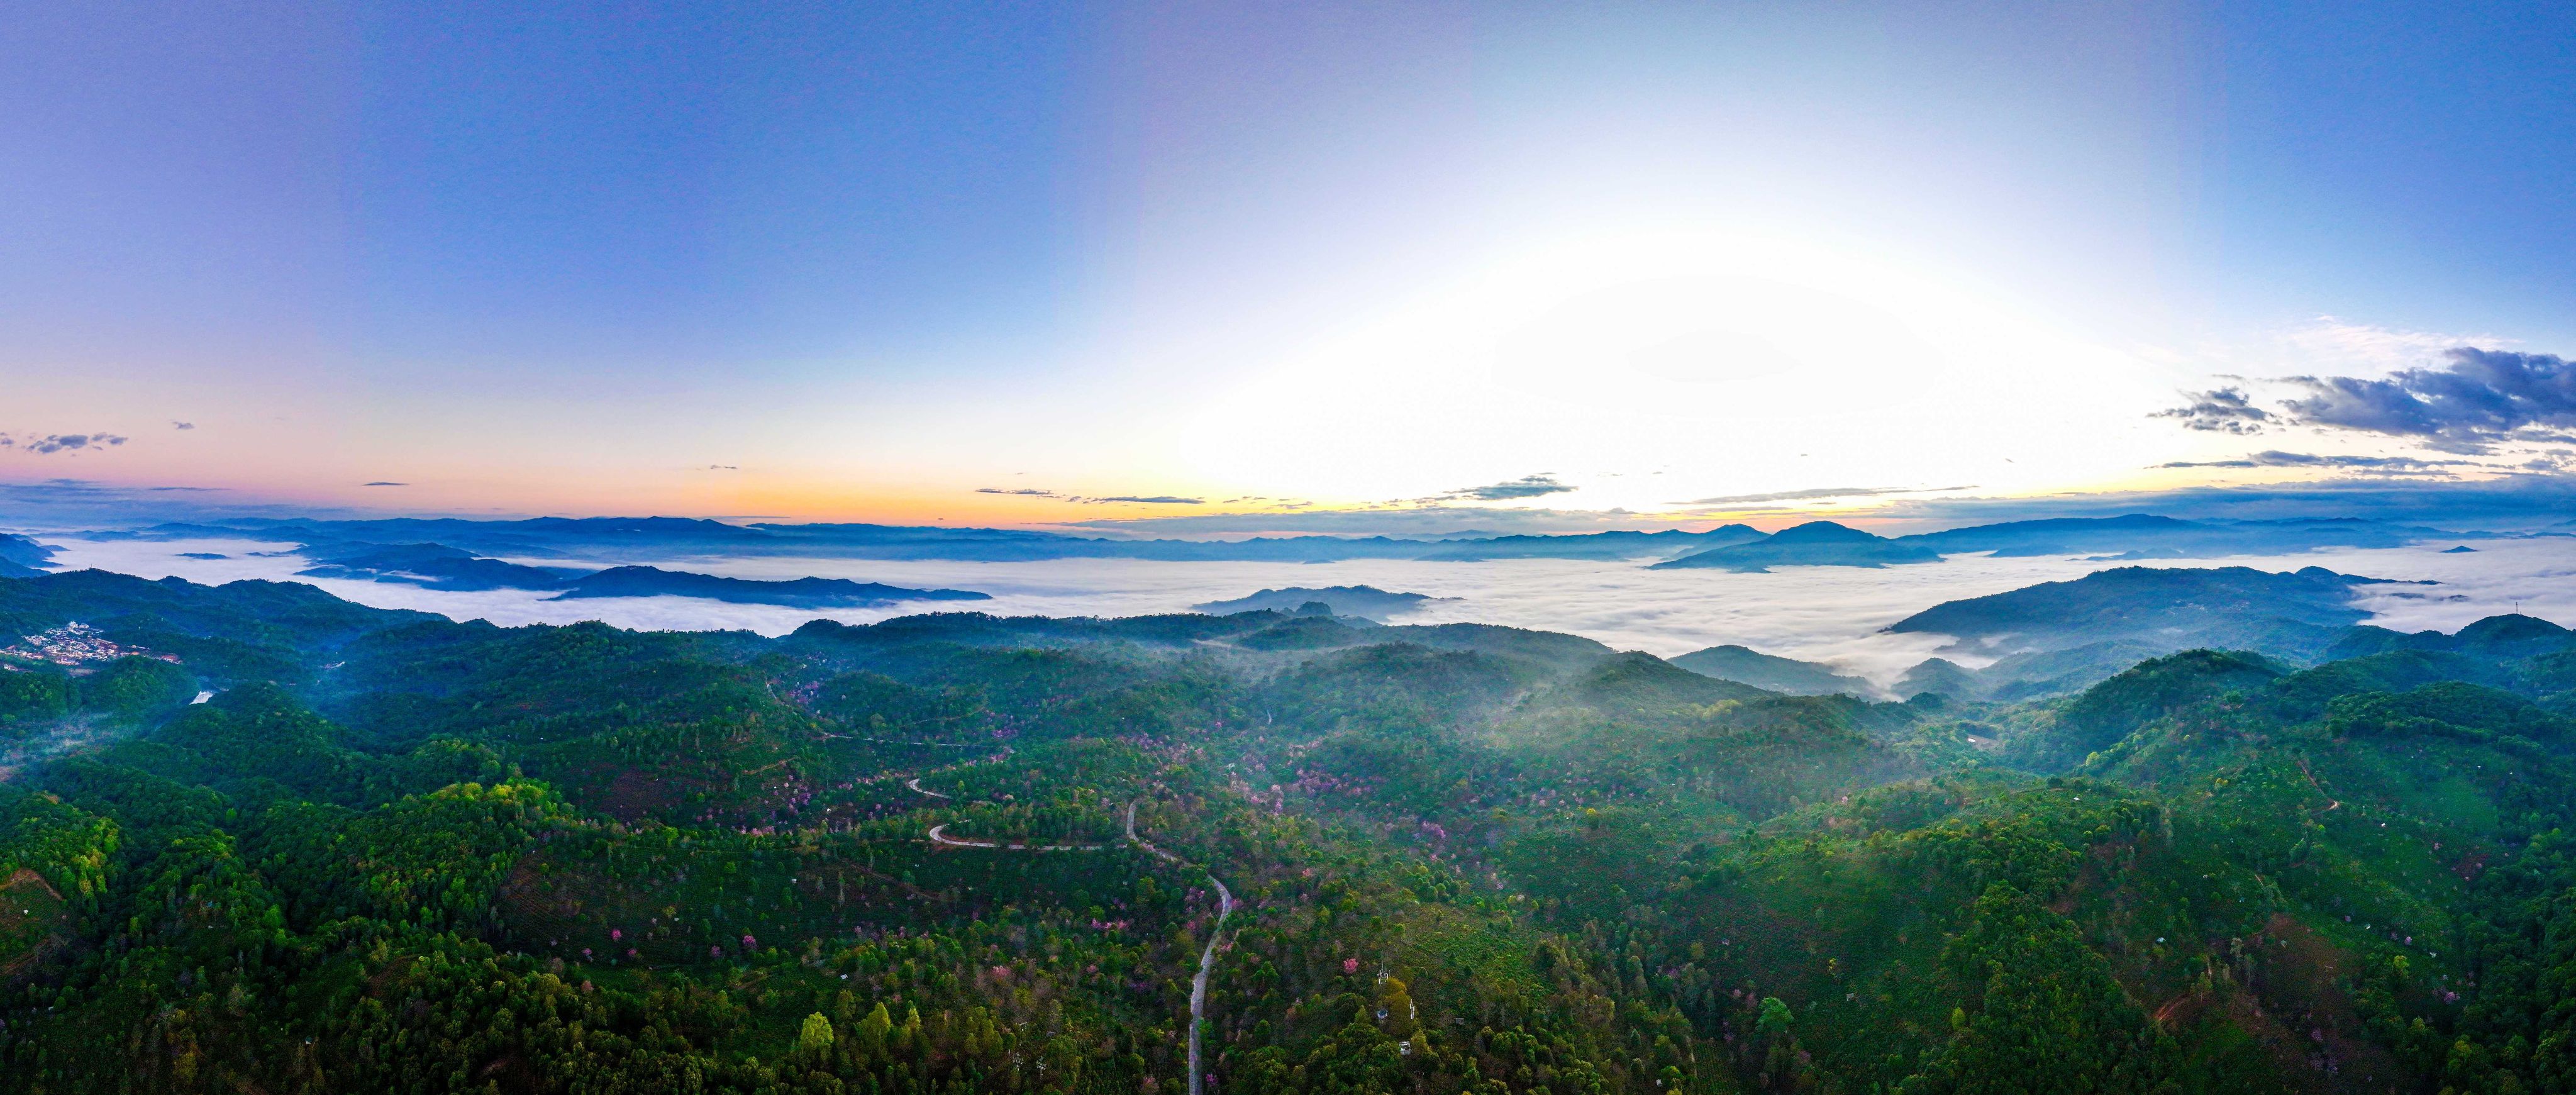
(1828,614)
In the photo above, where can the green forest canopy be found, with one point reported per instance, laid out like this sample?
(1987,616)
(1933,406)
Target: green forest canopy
(397,853)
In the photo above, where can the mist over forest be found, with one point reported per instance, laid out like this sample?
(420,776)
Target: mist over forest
(331,815)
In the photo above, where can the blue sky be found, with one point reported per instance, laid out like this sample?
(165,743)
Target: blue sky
(2410,160)
(1011,263)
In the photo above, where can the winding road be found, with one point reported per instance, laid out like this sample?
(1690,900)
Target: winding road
(1207,955)
(939,835)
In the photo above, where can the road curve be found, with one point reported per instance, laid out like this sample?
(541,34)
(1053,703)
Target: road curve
(1198,984)
(1207,955)
(939,835)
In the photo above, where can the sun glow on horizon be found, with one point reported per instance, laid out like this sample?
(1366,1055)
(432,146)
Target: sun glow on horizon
(1657,365)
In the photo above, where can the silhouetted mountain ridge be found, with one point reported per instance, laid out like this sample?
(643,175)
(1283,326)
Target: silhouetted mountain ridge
(1816,543)
(21,557)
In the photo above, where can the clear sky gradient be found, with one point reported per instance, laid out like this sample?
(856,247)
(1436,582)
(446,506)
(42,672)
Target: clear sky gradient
(1024,263)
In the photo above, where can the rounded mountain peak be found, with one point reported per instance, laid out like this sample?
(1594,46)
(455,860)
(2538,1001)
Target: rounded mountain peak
(1821,532)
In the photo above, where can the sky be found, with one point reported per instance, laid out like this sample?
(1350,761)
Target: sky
(1281,267)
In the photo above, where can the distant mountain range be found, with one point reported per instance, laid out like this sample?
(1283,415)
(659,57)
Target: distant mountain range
(1729,547)
(2135,536)
(1598,545)
(2047,639)
(432,566)
(441,567)
(2146,536)
(656,538)
(1816,543)
(643,581)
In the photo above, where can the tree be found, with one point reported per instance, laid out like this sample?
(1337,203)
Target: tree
(815,1039)
(873,1030)
(2049,1015)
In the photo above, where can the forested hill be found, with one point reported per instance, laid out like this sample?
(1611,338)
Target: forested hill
(21,557)
(965,853)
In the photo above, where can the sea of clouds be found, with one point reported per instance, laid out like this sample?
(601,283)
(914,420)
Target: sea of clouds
(1828,614)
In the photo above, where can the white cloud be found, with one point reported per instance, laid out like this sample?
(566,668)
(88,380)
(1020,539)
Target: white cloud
(2331,344)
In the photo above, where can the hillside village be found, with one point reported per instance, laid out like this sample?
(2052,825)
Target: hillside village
(73,645)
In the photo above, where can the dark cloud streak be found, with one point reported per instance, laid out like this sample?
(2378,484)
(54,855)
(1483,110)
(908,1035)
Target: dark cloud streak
(2476,400)
(2481,398)
(1527,486)
(2219,410)
(1128,499)
(61,442)
(2275,458)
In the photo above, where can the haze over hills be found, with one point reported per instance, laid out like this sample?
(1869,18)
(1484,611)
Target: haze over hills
(1686,612)
(21,557)
(1735,547)
(1994,659)
(2057,637)
(437,566)
(2126,537)
(1367,602)
(1502,590)
(432,566)
(665,537)
(645,581)
(1940,677)
(2220,606)
(1767,671)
